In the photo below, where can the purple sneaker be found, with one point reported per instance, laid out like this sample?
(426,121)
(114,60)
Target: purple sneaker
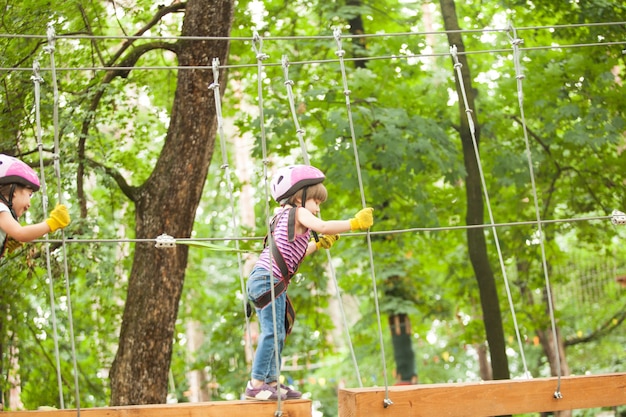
(290,393)
(263,393)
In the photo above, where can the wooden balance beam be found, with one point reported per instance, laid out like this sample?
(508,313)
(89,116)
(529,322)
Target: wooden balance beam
(489,398)
(291,408)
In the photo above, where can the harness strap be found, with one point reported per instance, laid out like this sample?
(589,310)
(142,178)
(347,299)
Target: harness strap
(283,282)
(266,298)
(281,286)
(291,225)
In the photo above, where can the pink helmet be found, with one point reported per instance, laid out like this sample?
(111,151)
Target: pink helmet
(14,171)
(288,180)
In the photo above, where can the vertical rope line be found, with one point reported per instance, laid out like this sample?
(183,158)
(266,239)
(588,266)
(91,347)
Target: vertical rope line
(257,45)
(300,132)
(37,80)
(57,169)
(340,53)
(515,42)
(468,112)
(292,107)
(215,87)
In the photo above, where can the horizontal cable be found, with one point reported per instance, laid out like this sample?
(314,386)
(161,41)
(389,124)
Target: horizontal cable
(315,37)
(382,232)
(322,61)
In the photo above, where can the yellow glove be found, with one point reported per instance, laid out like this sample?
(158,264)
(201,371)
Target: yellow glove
(362,220)
(326,241)
(12,245)
(59,218)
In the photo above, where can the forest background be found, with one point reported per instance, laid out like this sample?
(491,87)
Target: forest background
(135,125)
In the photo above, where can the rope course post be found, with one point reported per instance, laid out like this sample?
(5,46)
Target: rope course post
(341,53)
(50,48)
(472,128)
(519,76)
(300,132)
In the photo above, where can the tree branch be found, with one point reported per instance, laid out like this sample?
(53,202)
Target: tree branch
(163,11)
(129,61)
(607,327)
(129,191)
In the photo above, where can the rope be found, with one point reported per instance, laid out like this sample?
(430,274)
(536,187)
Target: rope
(50,48)
(615,217)
(319,37)
(37,80)
(340,53)
(215,87)
(292,107)
(470,120)
(333,276)
(257,45)
(260,57)
(325,61)
(515,42)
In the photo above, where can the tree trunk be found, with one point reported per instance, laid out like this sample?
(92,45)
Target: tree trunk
(475,208)
(167,203)
(486,373)
(356,27)
(401,338)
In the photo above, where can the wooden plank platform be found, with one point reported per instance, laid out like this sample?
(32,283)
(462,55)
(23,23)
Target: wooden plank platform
(291,408)
(489,398)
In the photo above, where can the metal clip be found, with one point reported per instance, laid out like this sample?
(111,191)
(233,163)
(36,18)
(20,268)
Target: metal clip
(165,241)
(618,217)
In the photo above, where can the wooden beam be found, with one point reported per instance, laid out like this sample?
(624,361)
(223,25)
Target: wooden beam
(489,398)
(291,408)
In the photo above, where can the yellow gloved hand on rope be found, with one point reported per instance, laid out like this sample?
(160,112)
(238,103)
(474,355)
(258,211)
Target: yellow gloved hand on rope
(362,220)
(326,241)
(59,218)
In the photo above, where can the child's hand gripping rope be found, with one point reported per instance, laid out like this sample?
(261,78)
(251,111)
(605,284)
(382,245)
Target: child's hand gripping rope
(326,241)
(59,218)
(362,220)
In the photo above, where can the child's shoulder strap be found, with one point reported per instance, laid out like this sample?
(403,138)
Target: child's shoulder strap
(291,223)
(269,240)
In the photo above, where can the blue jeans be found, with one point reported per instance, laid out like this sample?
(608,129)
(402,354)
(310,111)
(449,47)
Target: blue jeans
(265,367)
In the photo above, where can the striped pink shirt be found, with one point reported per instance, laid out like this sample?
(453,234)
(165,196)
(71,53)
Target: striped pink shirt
(293,252)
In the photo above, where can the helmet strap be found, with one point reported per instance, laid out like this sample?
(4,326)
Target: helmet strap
(303,201)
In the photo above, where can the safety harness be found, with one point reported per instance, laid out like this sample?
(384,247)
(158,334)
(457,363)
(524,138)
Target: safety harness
(282,284)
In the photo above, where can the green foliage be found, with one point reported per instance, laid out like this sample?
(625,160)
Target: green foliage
(412,173)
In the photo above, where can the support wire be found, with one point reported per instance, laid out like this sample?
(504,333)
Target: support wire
(470,120)
(300,132)
(50,48)
(515,42)
(340,53)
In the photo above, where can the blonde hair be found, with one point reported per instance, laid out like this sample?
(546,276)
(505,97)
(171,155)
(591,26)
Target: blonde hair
(316,192)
